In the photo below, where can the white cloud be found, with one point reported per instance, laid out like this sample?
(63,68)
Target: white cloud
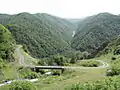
(62,8)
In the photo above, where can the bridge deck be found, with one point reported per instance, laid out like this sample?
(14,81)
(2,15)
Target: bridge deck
(48,67)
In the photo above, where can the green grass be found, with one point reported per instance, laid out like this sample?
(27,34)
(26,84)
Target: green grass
(8,72)
(6,87)
(28,59)
(16,56)
(63,81)
(108,58)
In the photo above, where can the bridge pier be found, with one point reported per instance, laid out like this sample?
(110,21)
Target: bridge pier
(33,69)
(62,70)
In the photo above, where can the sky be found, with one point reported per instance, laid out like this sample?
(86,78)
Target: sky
(61,8)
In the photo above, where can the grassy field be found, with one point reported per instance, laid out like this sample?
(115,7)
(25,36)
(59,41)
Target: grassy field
(9,72)
(72,77)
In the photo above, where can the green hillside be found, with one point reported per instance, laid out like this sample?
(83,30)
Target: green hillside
(6,44)
(112,47)
(49,38)
(95,32)
(41,34)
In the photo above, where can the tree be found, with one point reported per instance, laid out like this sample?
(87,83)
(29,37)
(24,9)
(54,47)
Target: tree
(7,44)
(73,59)
(79,55)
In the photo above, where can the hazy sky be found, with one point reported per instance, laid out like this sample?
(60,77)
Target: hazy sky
(61,8)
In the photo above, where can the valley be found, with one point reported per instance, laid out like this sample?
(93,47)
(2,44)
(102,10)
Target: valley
(48,52)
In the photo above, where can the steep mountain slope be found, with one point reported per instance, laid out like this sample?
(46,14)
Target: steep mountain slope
(42,34)
(62,26)
(95,32)
(112,47)
(6,44)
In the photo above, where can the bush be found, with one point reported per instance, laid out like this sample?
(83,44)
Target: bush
(109,83)
(31,75)
(89,63)
(115,68)
(22,85)
(113,58)
(73,60)
(56,72)
(25,48)
(55,60)
(28,73)
(2,64)
(42,71)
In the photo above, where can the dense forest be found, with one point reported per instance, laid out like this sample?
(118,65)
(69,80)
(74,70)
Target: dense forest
(112,47)
(42,34)
(7,44)
(95,32)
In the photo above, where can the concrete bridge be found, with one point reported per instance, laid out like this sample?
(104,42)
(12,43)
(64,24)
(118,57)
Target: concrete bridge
(36,68)
(49,67)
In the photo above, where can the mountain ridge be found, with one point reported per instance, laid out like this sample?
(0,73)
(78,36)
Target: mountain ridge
(95,32)
(40,32)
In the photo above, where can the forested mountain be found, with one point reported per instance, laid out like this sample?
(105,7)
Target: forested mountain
(7,44)
(41,34)
(95,32)
(112,47)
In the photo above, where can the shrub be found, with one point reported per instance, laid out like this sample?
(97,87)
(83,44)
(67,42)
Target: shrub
(28,73)
(22,85)
(25,48)
(42,71)
(89,63)
(56,72)
(31,75)
(113,58)
(54,60)
(2,64)
(73,60)
(115,68)
(109,83)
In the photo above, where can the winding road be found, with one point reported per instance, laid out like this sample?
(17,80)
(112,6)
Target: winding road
(22,62)
(21,57)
